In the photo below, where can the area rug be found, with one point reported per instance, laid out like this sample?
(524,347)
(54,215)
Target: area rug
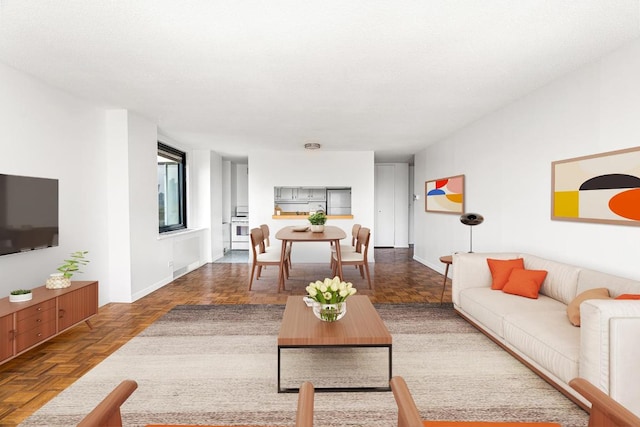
(217,364)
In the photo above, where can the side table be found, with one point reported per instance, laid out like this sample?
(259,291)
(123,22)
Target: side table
(448,260)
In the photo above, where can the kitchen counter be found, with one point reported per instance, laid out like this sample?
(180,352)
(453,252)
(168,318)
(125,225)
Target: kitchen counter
(306,215)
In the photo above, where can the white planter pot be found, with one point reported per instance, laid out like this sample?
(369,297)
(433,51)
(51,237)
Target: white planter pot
(317,228)
(21,297)
(57,281)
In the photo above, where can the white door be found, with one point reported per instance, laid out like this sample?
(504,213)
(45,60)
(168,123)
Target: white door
(384,204)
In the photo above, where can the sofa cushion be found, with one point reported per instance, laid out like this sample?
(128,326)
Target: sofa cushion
(561,282)
(573,309)
(525,283)
(489,307)
(546,337)
(501,269)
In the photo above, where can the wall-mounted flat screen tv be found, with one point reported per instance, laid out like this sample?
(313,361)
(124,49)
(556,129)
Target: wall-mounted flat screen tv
(28,213)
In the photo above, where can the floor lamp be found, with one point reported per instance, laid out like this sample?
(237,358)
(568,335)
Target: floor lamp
(471,219)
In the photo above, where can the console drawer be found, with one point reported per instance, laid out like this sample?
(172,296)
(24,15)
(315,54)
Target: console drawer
(35,335)
(35,324)
(35,309)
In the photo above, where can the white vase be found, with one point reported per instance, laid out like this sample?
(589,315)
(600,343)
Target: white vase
(317,228)
(57,281)
(20,297)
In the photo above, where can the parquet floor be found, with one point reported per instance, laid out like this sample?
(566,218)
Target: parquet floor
(32,379)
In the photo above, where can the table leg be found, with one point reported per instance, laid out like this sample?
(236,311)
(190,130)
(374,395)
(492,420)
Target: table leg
(444,284)
(339,256)
(283,256)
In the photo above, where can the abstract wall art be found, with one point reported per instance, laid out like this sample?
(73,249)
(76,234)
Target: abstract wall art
(445,195)
(603,188)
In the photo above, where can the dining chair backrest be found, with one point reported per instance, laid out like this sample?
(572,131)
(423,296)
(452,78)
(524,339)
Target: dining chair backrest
(362,242)
(354,233)
(265,234)
(257,241)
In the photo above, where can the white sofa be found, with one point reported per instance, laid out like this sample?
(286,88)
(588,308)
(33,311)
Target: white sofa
(605,349)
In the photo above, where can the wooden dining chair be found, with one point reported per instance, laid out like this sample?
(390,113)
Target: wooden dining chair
(275,248)
(262,258)
(409,416)
(107,412)
(347,248)
(358,257)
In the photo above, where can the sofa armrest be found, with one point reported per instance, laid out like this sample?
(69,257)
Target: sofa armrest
(470,270)
(610,349)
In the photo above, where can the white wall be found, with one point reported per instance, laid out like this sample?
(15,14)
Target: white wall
(48,133)
(157,260)
(105,161)
(506,158)
(313,169)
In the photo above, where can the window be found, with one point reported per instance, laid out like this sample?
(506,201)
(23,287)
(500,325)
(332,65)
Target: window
(172,195)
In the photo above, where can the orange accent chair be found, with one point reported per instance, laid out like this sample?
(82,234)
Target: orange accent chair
(304,416)
(107,412)
(605,412)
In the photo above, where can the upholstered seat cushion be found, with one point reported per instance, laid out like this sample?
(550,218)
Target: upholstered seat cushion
(491,306)
(269,257)
(344,248)
(548,338)
(351,256)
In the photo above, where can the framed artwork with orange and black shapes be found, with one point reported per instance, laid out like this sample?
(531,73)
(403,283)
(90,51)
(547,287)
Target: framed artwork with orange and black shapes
(445,195)
(601,188)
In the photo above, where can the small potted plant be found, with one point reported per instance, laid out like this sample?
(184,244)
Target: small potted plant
(20,295)
(67,270)
(317,221)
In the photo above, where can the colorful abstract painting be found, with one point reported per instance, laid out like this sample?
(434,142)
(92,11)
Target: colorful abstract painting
(445,195)
(601,188)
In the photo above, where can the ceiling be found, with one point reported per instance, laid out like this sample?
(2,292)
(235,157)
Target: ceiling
(389,76)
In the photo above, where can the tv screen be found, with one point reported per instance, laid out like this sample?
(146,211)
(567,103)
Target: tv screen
(28,213)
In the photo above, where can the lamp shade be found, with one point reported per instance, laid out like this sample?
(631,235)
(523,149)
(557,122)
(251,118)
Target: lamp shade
(471,219)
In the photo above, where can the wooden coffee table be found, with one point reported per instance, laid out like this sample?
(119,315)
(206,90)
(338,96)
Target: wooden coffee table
(360,327)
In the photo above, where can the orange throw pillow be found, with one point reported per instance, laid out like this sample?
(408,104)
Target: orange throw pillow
(501,269)
(573,309)
(628,296)
(525,283)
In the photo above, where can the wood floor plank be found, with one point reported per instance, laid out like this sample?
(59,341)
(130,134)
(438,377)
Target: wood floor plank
(32,379)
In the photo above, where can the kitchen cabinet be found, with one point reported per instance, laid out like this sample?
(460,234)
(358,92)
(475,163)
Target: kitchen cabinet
(299,194)
(317,194)
(23,325)
(285,194)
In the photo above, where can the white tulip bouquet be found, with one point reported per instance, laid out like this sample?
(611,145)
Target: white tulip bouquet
(331,291)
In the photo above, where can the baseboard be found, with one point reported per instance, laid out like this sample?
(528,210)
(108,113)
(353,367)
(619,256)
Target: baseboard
(439,267)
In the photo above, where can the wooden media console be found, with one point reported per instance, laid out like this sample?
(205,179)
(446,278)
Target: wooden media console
(24,325)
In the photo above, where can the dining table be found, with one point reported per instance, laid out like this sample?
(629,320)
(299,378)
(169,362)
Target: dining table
(290,234)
